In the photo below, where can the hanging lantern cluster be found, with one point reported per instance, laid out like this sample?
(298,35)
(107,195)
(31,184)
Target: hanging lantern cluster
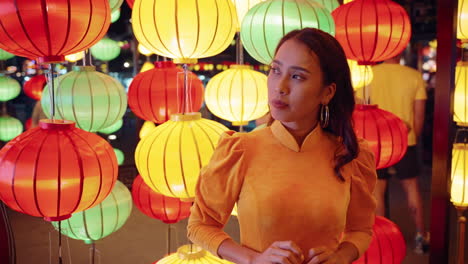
(361,75)
(192,254)
(91,99)
(156,94)
(386,134)
(5,55)
(10,127)
(75,56)
(146,129)
(459,178)
(242,6)
(169,159)
(372,30)
(112,128)
(9,88)
(76,26)
(238,95)
(34,87)
(170,210)
(120,156)
(267,22)
(55,170)
(184,32)
(460,96)
(106,49)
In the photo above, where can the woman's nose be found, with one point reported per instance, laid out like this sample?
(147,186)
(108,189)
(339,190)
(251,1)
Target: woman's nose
(283,87)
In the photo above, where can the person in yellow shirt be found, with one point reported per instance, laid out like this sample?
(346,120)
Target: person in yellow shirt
(303,185)
(401,90)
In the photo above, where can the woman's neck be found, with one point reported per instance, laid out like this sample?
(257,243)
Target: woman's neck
(300,130)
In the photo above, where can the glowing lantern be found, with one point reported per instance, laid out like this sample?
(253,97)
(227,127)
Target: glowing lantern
(55,169)
(361,75)
(192,254)
(91,99)
(10,128)
(372,30)
(386,134)
(75,56)
(101,220)
(57,27)
(460,96)
(120,156)
(33,88)
(267,22)
(330,5)
(147,66)
(28,123)
(170,210)
(9,88)
(115,4)
(462,20)
(130,3)
(156,94)
(112,128)
(106,49)
(196,28)
(115,15)
(387,245)
(238,94)
(242,6)
(5,55)
(144,50)
(146,129)
(459,185)
(170,158)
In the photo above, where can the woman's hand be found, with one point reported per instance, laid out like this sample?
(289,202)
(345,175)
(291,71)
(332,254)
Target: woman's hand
(323,255)
(280,252)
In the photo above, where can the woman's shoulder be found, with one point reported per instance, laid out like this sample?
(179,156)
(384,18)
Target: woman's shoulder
(364,163)
(242,140)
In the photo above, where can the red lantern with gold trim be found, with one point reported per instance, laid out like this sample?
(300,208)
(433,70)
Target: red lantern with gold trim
(50,29)
(33,88)
(387,245)
(155,94)
(372,30)
(386,134)
(170,210)
(55,170)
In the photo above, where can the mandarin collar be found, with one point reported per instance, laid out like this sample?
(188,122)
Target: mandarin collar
(288,140)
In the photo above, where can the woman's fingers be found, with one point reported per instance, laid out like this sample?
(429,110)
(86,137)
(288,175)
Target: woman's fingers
(291,246)
(318,255)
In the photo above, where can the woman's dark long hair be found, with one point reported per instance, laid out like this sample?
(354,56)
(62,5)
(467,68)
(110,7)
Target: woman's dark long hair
(335,69)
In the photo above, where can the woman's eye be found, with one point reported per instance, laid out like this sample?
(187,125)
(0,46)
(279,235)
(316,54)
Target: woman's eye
(297,77)
(274,70)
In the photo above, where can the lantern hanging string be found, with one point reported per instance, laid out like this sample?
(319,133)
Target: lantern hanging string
(239,50)
(51,84)
(168,242)
(60,242)
(185,88)
(4,109)
(93,253)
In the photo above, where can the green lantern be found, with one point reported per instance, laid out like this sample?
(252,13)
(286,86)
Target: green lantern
(91,99)
(5,55)
(101,220)
(112,128)
(115,15)
(330,5)
(115,4)
(106,49)
(10,127)
(267,22)
(120,156)
(9,88)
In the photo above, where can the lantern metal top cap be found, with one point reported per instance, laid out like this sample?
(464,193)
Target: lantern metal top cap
(84,68)
(190,252)
(366,106)
(51,59)
(460,146)
(185,60)
(164,64)
(186,117)
(56,124)
(239,66)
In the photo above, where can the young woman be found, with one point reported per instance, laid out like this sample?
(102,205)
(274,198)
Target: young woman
(303,185)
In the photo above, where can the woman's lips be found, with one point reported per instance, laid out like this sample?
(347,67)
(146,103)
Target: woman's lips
(279,104)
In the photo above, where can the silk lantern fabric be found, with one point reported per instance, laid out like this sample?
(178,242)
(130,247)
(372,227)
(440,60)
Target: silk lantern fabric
(386,134)
(50,29)
(192,254)
(91,99)
(372,30)
(106,49)
(156,94)
(462,20)
(460,97)
(170,210)
(267,22)
(169,159)
(55,170)
(184,32)
(9,88)
(242,6)
(238,94)
(34,87)
(459,177)
(10,128)
(112,128)
(101,220)
(387,245)
(5,55)
(361,75)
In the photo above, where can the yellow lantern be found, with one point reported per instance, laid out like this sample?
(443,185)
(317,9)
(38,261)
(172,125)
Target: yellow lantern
(459,186)
(462,20)
(461,94)
(192,254)
(242,6)
(147,66)
(361,75)
(238,95)
(346,1)
(184,32)
(146,129)
(75,56)
(169,159)
(143,50)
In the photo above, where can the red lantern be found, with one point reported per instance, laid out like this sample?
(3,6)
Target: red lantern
(130,3)
(386,133)
(49,29)
(155,94)
(28,124)
(372,30)
(33,88)
(167,209)
(387,245)
(55,170)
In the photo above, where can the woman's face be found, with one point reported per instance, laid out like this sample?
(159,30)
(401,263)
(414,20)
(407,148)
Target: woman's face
(295,84)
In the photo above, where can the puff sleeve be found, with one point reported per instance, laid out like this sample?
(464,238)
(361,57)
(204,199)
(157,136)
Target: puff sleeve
(361,209)
(217,191)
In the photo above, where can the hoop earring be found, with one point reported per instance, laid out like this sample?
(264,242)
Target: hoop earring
(324,116)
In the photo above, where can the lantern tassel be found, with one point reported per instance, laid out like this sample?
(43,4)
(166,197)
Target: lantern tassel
(50,80)
(461,234)
(168,245)
(185,90)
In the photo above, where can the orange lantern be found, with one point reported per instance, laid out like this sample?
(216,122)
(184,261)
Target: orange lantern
(170,210)
(33,88)
(155,94)
(50,29)
(56,169)
(372,30)
(386,133)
